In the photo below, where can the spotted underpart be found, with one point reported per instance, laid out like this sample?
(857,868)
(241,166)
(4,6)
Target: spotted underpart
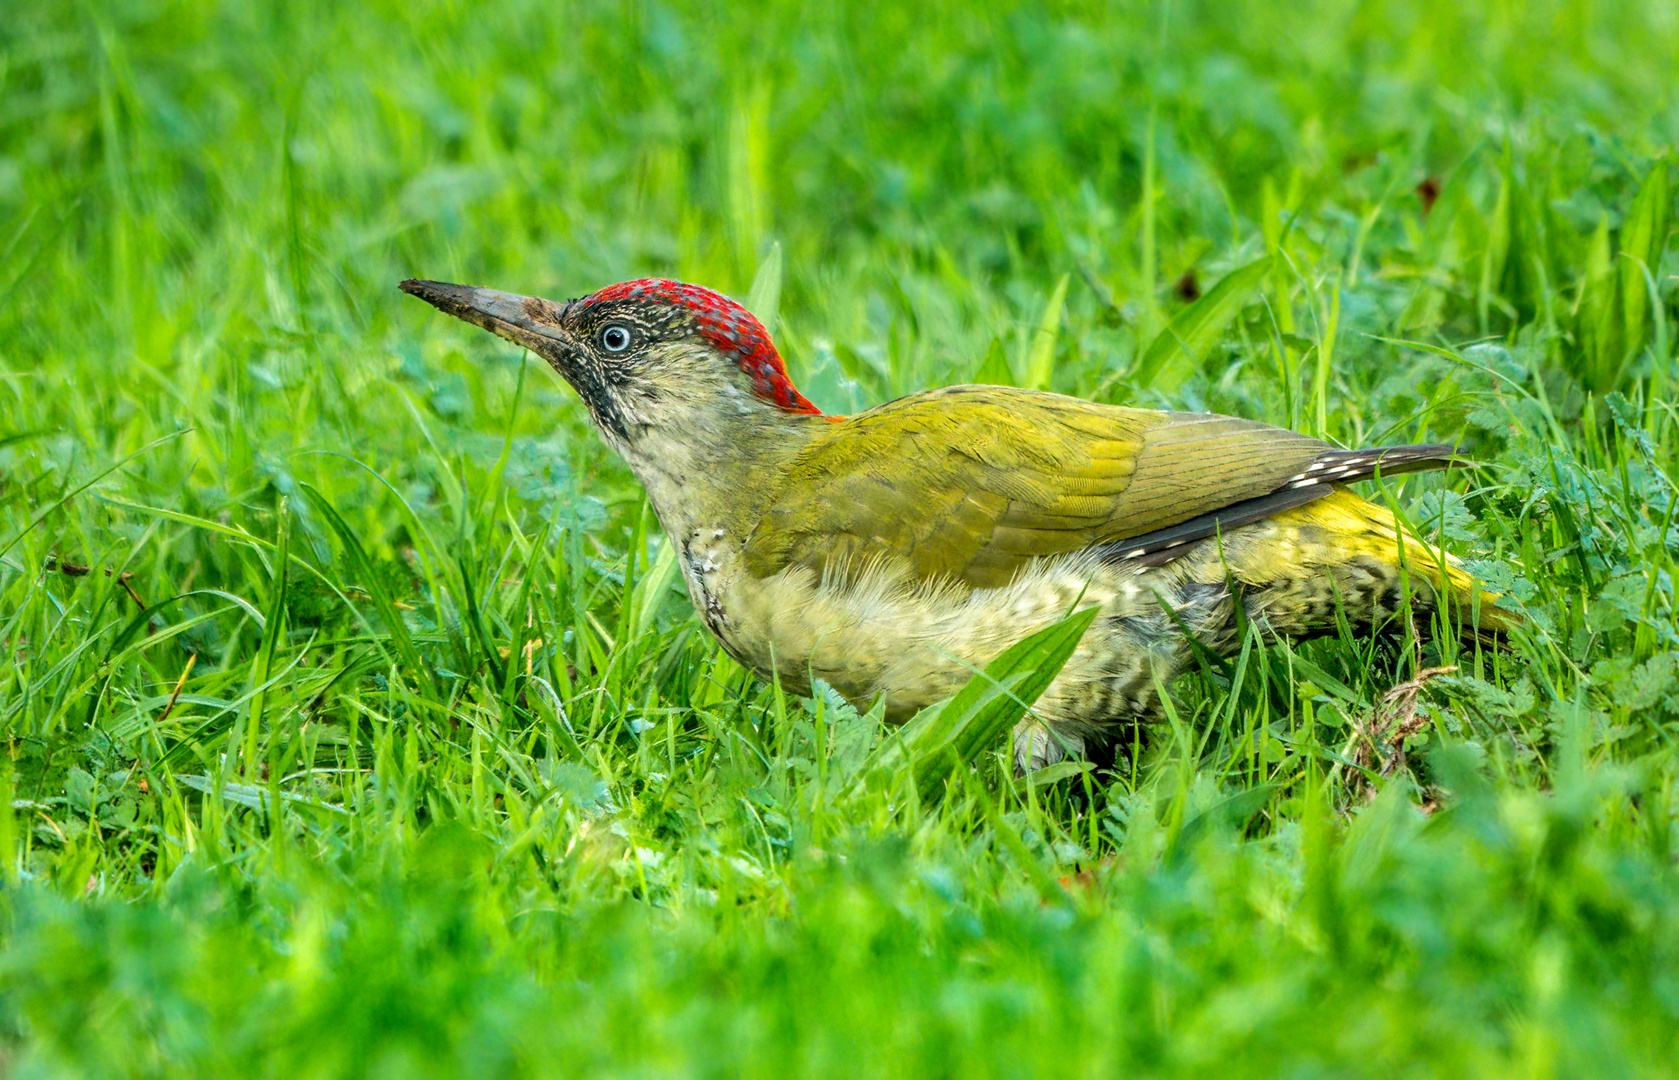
(724,325)
(882,635)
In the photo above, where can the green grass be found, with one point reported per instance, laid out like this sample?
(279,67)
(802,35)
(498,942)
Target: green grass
(355,724)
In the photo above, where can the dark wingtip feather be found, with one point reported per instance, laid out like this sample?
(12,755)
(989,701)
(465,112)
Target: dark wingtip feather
(1327,471)
(1351,466)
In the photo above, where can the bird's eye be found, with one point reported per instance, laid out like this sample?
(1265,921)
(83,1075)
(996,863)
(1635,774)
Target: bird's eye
(614,338)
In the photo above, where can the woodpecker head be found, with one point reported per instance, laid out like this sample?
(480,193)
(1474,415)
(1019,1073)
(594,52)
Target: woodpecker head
(649,358)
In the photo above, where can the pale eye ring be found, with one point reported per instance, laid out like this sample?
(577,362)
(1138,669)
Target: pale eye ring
(614,338)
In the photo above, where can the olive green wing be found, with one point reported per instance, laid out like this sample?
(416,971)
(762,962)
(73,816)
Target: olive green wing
(971,483)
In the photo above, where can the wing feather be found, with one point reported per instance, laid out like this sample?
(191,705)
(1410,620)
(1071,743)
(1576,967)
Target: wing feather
(972,483)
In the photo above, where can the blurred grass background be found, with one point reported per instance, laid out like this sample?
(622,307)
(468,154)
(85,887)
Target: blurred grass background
(355,725)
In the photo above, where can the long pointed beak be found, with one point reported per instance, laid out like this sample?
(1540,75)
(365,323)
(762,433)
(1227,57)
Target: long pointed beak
(524,320)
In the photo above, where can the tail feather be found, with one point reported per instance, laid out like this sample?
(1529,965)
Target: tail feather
(1477,612)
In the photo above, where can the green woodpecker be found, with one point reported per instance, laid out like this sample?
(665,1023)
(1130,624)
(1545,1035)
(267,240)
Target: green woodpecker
(892,553)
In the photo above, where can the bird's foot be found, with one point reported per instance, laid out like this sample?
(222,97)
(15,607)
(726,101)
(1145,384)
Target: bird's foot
(1038,746)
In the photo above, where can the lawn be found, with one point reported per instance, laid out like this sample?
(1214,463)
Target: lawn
(357,723)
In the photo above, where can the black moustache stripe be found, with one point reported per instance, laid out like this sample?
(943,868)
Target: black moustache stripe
(586,378)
